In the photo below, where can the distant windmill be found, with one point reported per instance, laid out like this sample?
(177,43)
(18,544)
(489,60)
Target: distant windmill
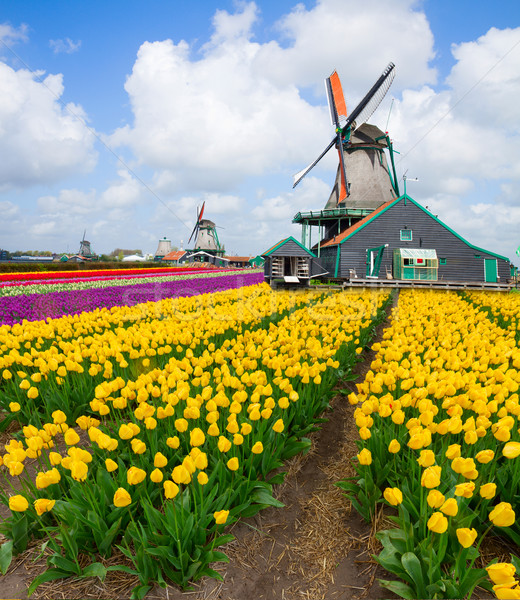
(205,235)
(84,247)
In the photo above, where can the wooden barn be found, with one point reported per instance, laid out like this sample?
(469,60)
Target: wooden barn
(403,240)
(288,261)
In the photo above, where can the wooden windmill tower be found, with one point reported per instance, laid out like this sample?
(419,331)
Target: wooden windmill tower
(206,242)
(364,180)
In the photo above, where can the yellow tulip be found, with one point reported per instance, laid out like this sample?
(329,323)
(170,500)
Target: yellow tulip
(501,572)
(160,460)
(18,503)
(197,437)
(170,489)
(201,461)
(365,457)
(431,477)
(221,516)
(393,496)
(55,458)
(111,465)
(59,417)
(435,499)
(502,515)
(71,437)
(43,505)
(466,536)
(125,432)
(465,489)
(279,426)
(224,444)
(233,464)
(180,474)
(426,458)
(173,442)
(122,498)
(181,425)
(437,523)
(453,451)
(450,507)
(394,446)
(78,470)
(138,446)
(257,448)
(202,478)
(156,476)
(511,450)
(488,490)
(507,591)
(134,475)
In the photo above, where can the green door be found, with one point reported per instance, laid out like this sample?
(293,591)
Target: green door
(490,270)
(373,262)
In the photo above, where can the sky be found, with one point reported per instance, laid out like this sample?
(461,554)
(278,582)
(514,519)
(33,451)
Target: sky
(121,118)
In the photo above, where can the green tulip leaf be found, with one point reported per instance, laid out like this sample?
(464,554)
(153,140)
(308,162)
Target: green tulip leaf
(49,575)
(6,556)
(95,570)
(413,567)
(399,588)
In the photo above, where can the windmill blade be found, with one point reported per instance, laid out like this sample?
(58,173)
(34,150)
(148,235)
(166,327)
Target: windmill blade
(372,99)
(338,111)
(201,212)
(194,232)
(301,174)
(197,224)
(337,104)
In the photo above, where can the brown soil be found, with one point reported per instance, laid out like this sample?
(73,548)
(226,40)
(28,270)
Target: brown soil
(316,548)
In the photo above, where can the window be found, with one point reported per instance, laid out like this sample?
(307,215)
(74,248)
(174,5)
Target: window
(406,235)
(442,261)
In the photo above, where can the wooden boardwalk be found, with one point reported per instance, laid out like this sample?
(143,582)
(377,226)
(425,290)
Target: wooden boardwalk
(433,285)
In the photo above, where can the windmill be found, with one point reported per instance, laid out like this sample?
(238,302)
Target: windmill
(205,235)
(84,247)
(363,179)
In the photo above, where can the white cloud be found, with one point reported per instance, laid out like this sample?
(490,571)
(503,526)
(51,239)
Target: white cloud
(70,202)
(45,229)
(355,38)
(41,140)
(66,46)
(10,34)
(8,210)
(122,194)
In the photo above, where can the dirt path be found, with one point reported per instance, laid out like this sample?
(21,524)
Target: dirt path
(316,548)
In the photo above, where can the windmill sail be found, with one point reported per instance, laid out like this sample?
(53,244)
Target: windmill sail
(337,104)
(338,112)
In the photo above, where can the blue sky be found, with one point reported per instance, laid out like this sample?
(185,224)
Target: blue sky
(122,117)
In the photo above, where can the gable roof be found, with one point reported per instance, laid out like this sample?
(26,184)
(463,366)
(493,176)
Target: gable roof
(243,259)
(348,233)
(284,241)
(174,255)
(344,235)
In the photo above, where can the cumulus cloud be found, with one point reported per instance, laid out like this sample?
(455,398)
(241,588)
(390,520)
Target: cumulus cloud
(41,140)
(66,46)
(10,34)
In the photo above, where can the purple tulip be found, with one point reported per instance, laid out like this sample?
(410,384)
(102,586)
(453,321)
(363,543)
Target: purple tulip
(36,307)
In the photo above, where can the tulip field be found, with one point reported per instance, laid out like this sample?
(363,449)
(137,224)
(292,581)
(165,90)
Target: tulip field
(437,415)
(152,414)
